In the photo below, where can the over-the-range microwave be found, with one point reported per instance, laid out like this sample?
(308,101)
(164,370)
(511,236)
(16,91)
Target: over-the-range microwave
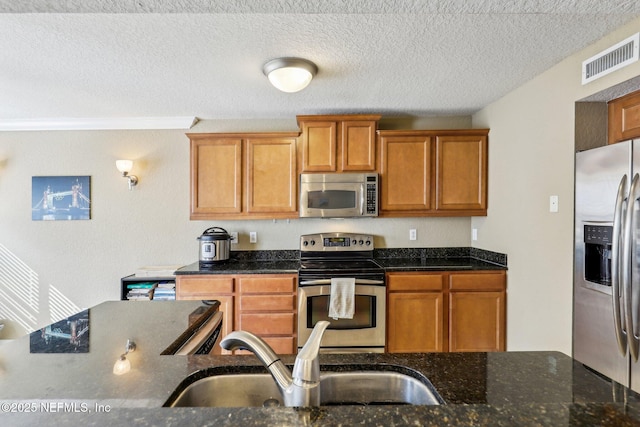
(338,195)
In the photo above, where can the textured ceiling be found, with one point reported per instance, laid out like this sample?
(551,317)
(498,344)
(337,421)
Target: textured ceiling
(145,58)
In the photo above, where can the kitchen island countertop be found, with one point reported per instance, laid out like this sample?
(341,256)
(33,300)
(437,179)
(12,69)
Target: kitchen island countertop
(511,388)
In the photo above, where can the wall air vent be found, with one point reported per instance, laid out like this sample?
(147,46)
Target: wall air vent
(612,59)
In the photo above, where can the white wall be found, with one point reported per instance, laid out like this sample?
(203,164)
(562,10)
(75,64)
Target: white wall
(531,156)
(49,270)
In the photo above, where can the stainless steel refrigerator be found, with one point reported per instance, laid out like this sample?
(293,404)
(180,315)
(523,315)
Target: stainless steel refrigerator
(607,261)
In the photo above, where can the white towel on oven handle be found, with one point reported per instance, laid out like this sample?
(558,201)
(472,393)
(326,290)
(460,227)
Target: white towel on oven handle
(342,298)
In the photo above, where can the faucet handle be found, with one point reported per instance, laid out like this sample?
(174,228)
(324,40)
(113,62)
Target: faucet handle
(307,366)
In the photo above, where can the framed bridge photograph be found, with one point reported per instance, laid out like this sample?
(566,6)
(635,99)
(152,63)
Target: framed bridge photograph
(60,198)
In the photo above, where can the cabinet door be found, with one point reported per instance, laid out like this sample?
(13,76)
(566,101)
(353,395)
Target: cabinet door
(461,173)
(216,178)
(405,173)
(271,176)
(476,321)
(358,145)
(624,118)
(415,322)
(318,146)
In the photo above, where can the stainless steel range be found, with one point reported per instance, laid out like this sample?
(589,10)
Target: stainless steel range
(327,256)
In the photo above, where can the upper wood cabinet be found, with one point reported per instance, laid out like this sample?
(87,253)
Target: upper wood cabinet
(271,175)
(405,172)
(461,173)
(433,173)
(338,143)
(624,118)
(242,176)
(216,175)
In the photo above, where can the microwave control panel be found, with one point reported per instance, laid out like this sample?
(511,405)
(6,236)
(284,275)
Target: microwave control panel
(336,242)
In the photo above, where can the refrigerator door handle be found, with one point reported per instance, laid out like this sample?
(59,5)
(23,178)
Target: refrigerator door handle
(617,261)
(630,306)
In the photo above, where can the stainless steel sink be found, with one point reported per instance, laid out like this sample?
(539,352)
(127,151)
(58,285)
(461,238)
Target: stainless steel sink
(336,388)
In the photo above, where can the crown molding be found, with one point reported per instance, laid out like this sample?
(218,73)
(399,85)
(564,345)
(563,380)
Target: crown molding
(112,123)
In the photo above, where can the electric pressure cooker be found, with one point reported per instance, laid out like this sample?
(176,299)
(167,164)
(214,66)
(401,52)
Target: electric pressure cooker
(215,245)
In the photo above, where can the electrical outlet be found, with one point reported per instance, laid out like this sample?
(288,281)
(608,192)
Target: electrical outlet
(234,237)
(253,237)
(413,234)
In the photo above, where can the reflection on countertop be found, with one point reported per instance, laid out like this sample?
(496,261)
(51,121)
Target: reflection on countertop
(511,388)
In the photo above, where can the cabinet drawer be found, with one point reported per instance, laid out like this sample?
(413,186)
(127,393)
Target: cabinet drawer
(477,282)
(267,323)
(266,285)
(414,282)
(204,285)
(267,302)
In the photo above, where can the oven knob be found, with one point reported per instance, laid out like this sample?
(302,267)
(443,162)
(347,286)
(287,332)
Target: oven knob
(313,242)
(368,243)
(305,243)
(354,242)
(361,242)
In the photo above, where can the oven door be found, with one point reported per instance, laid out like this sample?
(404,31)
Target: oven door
(364,333)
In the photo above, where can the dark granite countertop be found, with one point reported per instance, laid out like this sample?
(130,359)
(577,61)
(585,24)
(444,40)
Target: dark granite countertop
(395,259)
(512,388)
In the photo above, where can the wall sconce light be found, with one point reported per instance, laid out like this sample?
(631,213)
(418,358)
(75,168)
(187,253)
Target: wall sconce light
(290,74)
(124,166)
(122,365)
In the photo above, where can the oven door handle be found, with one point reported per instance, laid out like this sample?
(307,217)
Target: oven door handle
(328,282)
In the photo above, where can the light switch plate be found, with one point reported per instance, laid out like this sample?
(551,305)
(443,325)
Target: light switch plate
(234,237)
(553,204)
(253,237)
(413,234)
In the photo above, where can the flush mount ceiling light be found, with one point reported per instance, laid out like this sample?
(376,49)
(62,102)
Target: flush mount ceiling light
(290,74)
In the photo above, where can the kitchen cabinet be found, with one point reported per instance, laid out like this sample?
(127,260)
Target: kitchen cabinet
(415,312)
(433,173)
(446,311)
(624,118)
(210,287)
(338,143)
(477,320)
(405,173)
(267,308)
(243,176)
(461,173)
(264,304)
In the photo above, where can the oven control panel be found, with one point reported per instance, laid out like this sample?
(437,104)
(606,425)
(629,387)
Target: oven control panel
(336,241)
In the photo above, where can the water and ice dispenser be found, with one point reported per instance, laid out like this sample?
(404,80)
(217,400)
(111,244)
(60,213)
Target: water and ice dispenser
(597,253)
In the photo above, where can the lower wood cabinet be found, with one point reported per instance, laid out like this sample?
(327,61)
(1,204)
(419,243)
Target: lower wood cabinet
(446,311)
(477,320)
(267,308)
(415,313)
(264,304)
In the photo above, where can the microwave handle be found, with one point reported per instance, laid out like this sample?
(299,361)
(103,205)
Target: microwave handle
(363,201)
(328,282)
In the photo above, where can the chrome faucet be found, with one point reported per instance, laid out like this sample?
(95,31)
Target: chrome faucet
(299,388)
